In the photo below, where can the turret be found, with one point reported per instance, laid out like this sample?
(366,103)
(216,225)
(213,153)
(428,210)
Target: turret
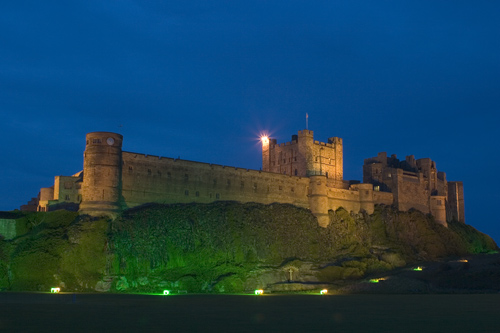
(102,159)
(318,199)
(438,209)
(305,144)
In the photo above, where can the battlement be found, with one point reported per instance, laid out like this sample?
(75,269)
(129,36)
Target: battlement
(305,157)
(303,172)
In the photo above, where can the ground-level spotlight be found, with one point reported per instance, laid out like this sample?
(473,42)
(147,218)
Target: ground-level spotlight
(166,292)
(419,268)
(374,280)
(55,290)
(259,292)
(323,292)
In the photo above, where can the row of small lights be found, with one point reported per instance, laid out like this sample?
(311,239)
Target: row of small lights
(261,292)
(167,292)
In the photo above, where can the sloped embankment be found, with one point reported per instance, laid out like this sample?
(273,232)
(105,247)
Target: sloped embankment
(223,247)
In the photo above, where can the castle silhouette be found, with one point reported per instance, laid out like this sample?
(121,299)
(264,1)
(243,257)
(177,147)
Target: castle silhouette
(302,172)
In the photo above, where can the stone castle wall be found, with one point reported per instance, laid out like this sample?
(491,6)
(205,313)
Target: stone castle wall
(302,172)
(147,178)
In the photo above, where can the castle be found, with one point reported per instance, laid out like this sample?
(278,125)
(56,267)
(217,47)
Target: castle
(302,172)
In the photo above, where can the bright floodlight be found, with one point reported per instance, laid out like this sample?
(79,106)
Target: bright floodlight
(264,139)
(324,291)
(166,292)
(259,292)
(55,290)
(419,268)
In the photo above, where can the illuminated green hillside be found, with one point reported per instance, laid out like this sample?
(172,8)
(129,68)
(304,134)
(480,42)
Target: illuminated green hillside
(221,247)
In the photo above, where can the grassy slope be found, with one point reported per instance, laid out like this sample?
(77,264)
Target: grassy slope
(218,246)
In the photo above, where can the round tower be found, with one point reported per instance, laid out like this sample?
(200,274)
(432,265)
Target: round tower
(318,199)
(438,209)
(101,189)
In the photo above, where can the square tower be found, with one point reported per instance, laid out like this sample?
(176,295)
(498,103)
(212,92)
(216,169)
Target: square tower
(304,157)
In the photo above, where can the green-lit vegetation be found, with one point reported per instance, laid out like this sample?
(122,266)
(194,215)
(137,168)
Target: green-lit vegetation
(225,247)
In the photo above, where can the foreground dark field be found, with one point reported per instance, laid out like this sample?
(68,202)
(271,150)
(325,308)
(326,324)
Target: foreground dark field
(28,312)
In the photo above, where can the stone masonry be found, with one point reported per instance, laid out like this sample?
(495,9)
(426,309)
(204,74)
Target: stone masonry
(302,172)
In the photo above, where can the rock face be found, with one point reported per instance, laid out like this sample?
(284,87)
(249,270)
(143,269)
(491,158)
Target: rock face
(227,247)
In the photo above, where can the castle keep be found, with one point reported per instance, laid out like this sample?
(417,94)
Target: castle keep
(302,172)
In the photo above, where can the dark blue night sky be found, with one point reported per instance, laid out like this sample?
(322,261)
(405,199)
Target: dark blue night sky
(202,79)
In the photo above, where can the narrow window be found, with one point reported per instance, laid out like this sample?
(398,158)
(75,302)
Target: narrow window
(149,172)
(296,172)
(217,196)
(67,197)
(197,193)
(186,192)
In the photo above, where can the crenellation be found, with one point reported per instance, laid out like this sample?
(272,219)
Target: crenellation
(303,172)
